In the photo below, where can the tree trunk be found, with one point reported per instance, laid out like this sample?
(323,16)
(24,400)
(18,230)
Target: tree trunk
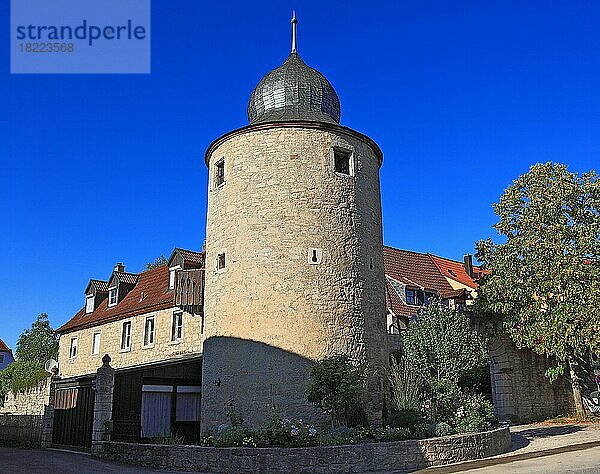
(576,384)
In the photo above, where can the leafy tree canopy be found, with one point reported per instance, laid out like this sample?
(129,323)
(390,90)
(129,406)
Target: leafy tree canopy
(544,284)
(39,343)
(442,345)
(443,348)
(158,262)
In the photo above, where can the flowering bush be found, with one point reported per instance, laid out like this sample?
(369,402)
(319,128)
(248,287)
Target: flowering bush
(475,414)
(278,431)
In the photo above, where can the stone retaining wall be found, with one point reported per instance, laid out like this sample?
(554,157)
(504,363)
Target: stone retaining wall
(397,456)
(20,429)
(521,391)
(27,402)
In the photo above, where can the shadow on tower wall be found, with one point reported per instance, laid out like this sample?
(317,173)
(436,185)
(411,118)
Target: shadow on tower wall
(253,379)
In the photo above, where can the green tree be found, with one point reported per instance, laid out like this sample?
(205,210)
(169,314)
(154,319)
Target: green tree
(35,346)
(158,262)
(39,343)
(544,285)
(336,387)
(443,348)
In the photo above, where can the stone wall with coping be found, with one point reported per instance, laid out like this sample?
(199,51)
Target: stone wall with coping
(521,391)
(110,343)
(27,402)
(400,456)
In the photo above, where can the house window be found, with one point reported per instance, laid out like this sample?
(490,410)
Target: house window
(73,348)
(221,261)
(95,343)
(1,358)
(149,331)
(342,162)
(126,336)
(177,327)
(415,297)
(172,276)
(219,173)
(429,297)
(112,297)
(89,303)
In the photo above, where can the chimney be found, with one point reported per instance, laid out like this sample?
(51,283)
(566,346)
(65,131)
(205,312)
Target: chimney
(468,259)
(119,267)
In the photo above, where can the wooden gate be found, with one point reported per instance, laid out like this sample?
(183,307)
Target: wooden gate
(73,414)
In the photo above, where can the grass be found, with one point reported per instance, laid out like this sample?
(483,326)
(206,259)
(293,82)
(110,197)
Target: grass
(572,419)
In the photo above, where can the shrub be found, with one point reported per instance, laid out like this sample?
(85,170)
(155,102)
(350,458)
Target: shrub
(443,349)
(476,414)
(389,433)
(337,387)
(235,435)
(340,436)
(278,431)
(440,429)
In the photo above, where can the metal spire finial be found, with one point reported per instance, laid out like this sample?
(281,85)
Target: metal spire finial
(294,23)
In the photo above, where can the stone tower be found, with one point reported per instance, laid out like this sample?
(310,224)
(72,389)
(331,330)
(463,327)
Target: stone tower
(294,258)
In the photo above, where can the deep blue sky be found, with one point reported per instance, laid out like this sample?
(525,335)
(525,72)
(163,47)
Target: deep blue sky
(462,97)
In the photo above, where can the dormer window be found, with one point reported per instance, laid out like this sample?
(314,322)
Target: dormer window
(172,272)
(89,304)
(112,297)
(414,297)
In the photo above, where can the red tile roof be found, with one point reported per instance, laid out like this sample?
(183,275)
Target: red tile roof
(151,293)
(191,256)
(414,269)
(424,271)
(456,271)
(4,347)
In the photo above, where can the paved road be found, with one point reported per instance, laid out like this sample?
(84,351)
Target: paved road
(585,461)
(543,449)
(37,461)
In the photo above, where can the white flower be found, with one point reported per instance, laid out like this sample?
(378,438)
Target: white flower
(312,431)
(294,431)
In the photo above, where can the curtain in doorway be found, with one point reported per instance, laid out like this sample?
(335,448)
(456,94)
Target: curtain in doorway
(156,410)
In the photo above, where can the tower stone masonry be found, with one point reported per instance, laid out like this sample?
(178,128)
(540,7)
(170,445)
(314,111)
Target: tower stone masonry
(294,252)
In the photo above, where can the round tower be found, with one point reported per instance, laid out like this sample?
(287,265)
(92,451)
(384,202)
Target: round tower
(294,258)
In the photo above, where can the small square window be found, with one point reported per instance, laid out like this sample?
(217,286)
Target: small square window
(177,327)
(221,261)
(342,161)
(112,297)
(219,173)
(73,348)
(95,343)
(126,336)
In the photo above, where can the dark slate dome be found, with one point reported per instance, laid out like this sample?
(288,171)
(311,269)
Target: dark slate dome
(294,91)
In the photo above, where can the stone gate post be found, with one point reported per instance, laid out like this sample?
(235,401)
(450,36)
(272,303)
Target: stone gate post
(105,381)
(48,416)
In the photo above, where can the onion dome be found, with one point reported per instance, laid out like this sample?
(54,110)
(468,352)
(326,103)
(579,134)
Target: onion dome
(294,91)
